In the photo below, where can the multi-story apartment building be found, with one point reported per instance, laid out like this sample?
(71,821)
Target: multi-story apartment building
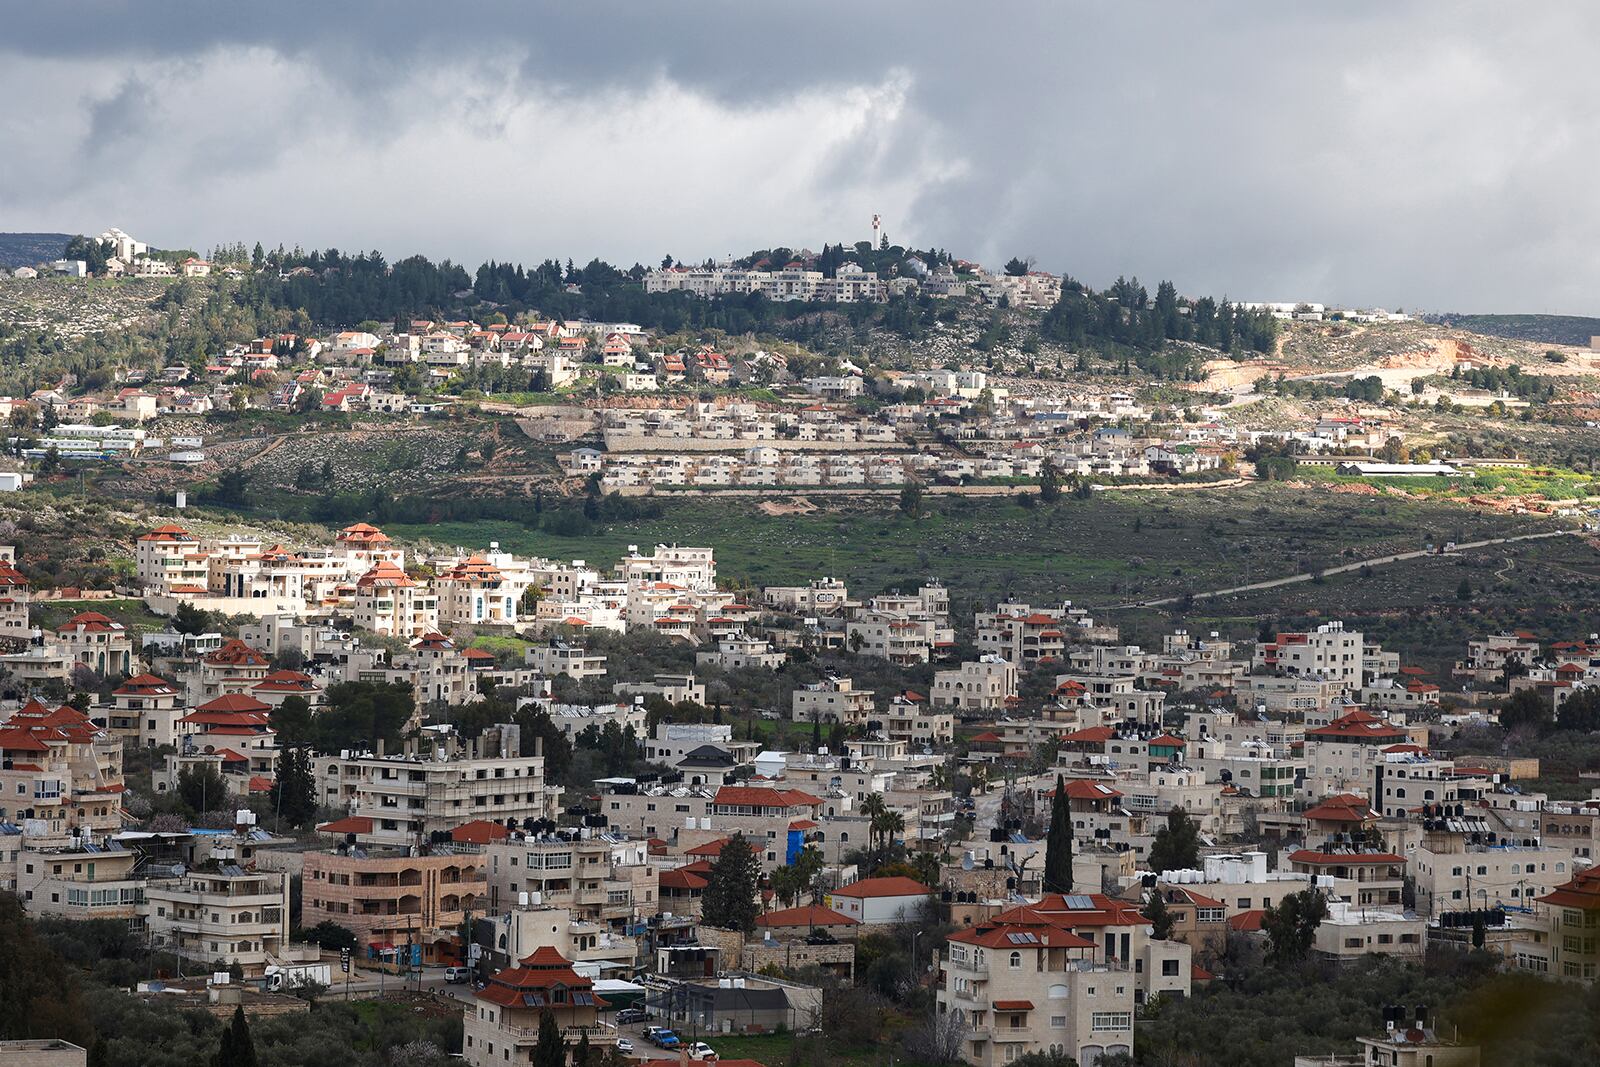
(1023,634)
(1029,987)
(832,700)
(14,600)
(235,668)
(1330,651)
(908,718)
(80,880)
(600,878)
(1343,756)
(215,905)
(392,897)
(97,642)
(559,657)
(1287,694)
(401,799)
(388,602)
(987,684)
(146,711)
(823,596)
(1463,864)
(170,560)
(60,774)
(474,592)
(1571,913)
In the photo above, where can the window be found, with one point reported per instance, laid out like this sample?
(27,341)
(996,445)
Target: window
(1111,1020)
(1169,968)
(1016,960)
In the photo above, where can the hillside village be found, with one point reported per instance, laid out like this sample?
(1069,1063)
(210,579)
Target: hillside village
(304,778)
(628,808)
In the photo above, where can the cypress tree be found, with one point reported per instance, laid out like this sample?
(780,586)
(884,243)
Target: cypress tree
(551,1051)
(1058,846)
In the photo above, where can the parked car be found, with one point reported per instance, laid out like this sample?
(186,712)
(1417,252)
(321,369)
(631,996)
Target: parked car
(702,1051)
(624,1045)
(665,1039)
(457,975)
(632,1015)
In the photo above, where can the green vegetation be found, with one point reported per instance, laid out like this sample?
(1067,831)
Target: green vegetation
(1109,546)
(1551,329)
(1551,483)
(1264,1019)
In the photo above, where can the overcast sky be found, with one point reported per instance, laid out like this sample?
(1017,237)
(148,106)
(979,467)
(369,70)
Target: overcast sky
(1434,156)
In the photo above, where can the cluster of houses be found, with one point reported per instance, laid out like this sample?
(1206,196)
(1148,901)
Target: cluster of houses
(849,283)
(1314,761)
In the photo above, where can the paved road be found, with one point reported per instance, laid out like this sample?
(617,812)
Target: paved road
(1343,568)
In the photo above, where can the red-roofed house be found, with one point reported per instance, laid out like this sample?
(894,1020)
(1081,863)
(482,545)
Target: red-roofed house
(1365,879)
(146,710)
(98,642)
(1031,986)
(800,921)
(233,668)
(880,901)
(1343,755)
(503,1025)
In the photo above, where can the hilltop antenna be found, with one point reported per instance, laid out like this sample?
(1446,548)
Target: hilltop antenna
(877,229)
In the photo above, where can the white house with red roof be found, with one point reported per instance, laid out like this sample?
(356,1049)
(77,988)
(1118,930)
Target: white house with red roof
(388,602)
(502,1021)
(881,901)
(97,642)
(1023,983)
(146,710)
(235,668)
(15,596)
(59,772)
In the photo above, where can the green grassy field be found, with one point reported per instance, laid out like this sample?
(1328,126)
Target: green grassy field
(1550,483)
(1111,547)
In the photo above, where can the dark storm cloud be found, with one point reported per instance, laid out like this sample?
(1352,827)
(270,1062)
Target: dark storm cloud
(1415,154)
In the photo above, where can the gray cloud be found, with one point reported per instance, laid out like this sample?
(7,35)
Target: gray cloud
(1415,154)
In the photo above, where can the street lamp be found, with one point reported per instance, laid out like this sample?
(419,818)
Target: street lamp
(914,937)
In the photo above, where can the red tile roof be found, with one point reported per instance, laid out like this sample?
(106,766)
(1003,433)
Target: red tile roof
(1582,892)
(1359,726)
(1082,789)
(762,797)
(1247,921)
(896,886)
(678,879)
(808,915)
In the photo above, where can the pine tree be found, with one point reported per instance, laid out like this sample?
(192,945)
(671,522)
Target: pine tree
(730,894)
(1058,846)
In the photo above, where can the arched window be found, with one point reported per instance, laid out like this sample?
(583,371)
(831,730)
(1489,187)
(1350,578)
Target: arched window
(1016,960)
